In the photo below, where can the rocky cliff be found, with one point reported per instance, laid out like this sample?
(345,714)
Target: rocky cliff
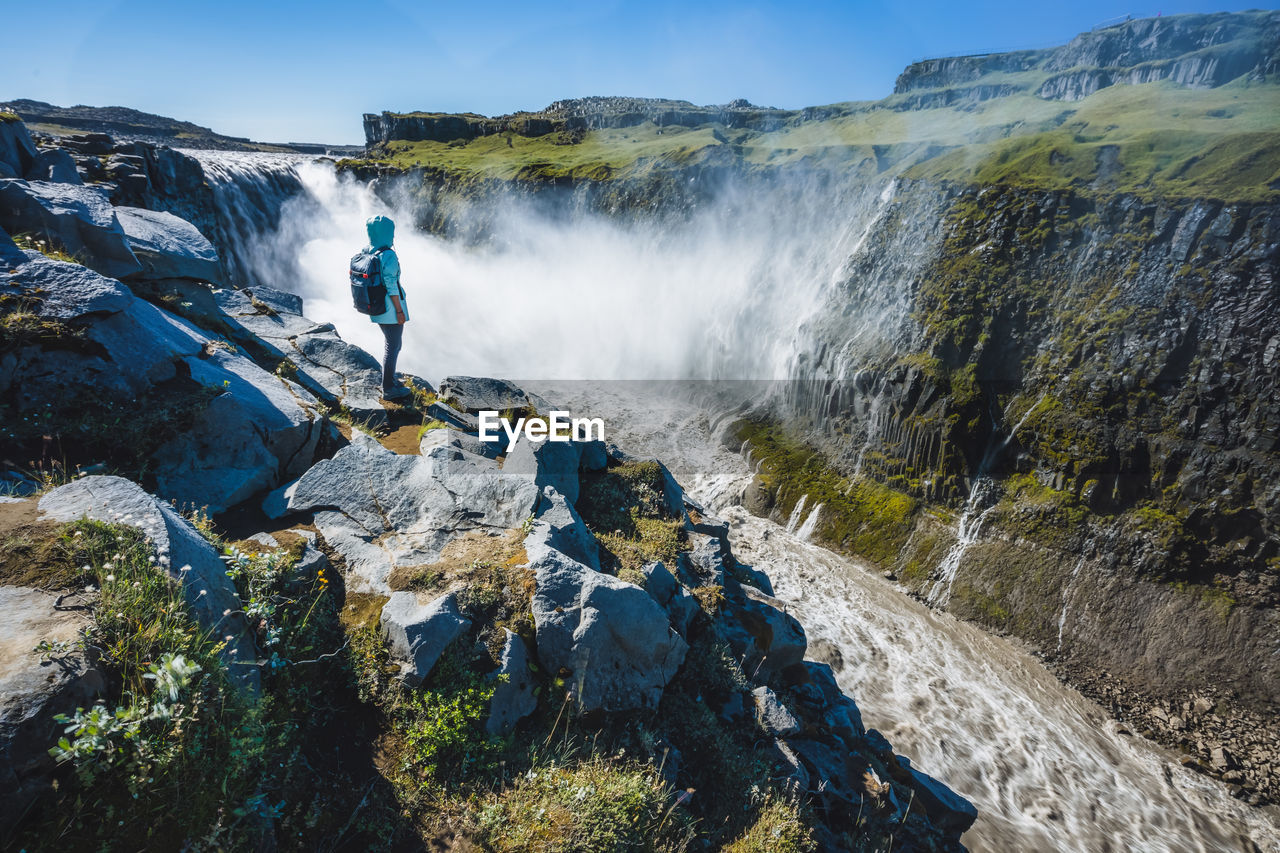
(1192,50)
(400,634)
(1085,389)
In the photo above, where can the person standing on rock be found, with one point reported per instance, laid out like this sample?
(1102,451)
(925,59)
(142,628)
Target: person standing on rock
(382,233)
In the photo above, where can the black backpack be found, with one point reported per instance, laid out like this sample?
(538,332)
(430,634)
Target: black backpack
(368,291)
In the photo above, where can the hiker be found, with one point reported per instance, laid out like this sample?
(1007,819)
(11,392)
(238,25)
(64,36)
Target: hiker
(375,277)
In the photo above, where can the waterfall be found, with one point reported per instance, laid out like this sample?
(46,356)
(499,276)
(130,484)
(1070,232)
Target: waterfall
(557,290)
(982,500)
(249,192)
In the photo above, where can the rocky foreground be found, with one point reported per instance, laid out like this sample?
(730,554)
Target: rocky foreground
(393,634)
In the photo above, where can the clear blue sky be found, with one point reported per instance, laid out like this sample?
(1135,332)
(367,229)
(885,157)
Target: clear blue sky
(292,71)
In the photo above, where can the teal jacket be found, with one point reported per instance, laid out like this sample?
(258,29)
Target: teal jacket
(382,233)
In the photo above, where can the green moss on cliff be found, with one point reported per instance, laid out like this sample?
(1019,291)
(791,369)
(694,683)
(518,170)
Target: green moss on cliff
(856,516)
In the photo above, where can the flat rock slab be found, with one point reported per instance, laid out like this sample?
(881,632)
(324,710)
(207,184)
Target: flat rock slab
(168,246)
(335,371)
(180,550)
(474,394)
(380,509)
(78,219)
(32,691)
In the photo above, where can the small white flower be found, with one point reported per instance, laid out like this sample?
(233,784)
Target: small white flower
(110,578)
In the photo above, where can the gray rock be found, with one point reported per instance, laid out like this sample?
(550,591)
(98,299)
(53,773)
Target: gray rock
(66,291)
(773,716)
(250,437)
(753,577)
(513,694)
(659,582)
(947,810)
(463,421)
(557,526)
(473,394)
(446,437)
(548,464)
(17,151)
(335,371)
(33,691)
(380,509)
(795,777)
(418,634)
(77,219)
(765,637)
(595,456)
(672,491)
(180,550)
(168,246)
(609,634)
(276,503)
(278,301)
(707,560)
(55,165)
(830,775)
(678,602)
(347,372)
(255,432)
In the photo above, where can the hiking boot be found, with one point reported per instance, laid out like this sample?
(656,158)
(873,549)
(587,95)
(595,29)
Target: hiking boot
(397,393)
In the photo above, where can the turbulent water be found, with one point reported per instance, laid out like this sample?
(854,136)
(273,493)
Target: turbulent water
(725,294)
(1044,765)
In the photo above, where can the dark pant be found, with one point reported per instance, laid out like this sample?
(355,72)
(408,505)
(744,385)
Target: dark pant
(394,333)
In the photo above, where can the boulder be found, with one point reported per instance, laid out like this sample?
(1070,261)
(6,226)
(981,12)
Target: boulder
(55,165)
(78,220)
(447,437)
(254,434)
(451,416)
(254,431)
(32,691)
(678,602)
(830,773)
(17,151)
(610,635)
(473,394)
(417,634)
(65,291)
(946,809)
(762,635)
(380,509)
(513,692)
(558,527)
(180,550)
(549,464)
(168,246)
(795,777)
(97,144)
(774,717)
(707,560)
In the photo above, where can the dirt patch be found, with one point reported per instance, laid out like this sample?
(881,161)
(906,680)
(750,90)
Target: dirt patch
(403,440)
(461,559)
(360,610)
(34,553)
